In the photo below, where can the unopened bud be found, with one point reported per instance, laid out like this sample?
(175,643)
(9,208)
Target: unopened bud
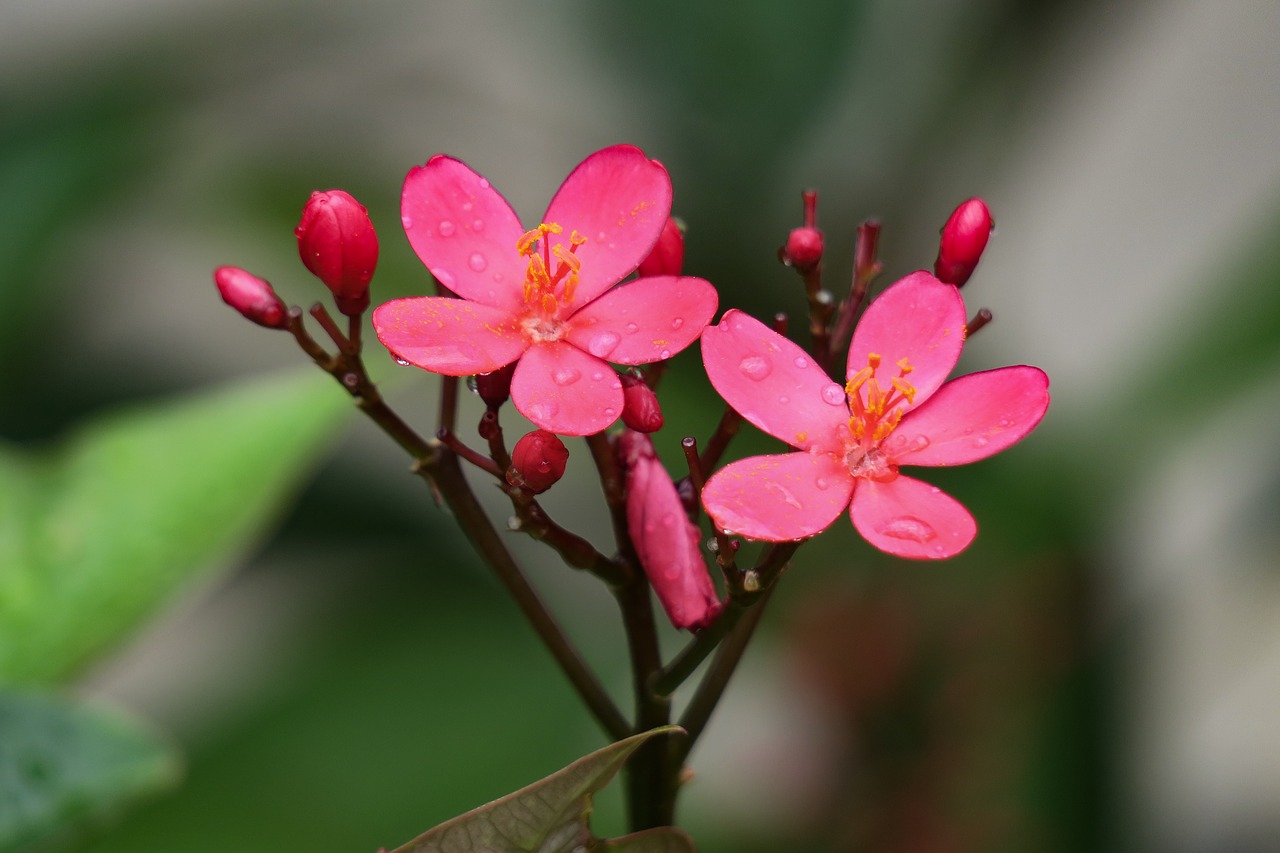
(963,239)
(537,461)
(494,388)
(337,243)
(251,296)
(640,409)
(803,250)
(667,257)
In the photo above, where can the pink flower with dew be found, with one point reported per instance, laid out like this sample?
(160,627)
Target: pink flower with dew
(546,295)
(667,543)
(893,410)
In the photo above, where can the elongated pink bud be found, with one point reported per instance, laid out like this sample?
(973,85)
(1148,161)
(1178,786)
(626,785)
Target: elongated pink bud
(640,409)
(251,296)
(667,256)
(666,542)
(336,241)
(963,238)
(537,461)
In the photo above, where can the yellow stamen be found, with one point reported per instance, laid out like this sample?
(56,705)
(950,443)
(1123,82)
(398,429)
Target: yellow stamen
(875,414)
(547,287)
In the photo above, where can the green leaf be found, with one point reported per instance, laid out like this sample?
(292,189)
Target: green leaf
(97,535)
(62,762)
(552,815)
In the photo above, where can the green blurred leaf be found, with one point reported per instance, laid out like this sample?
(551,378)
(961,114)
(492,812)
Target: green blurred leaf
(63,761)
(94,537)
(550,816)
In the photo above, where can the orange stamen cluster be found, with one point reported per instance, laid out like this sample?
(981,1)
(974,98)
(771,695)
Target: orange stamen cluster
(877,414)
(541,281)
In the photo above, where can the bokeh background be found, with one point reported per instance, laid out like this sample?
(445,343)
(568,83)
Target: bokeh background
(1100,671)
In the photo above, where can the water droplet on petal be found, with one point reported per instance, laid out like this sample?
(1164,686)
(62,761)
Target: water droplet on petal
(484,184)
(600,237)
(473,385)
(665,354)
(401,362)
(785,494)
(631,328)
(407,222)
(784,400)
(497,276)
(822,483)
(677,322)
(981,441)
(597,376)
(467,206)
(477,225)
(603,344)
(833,394)
(543,411)
(566,376)
(610,412)
(446,228)
(444,277)
(910,529)
(801,363)
(920,442)
(755,367)
(477,262)
(1004,423)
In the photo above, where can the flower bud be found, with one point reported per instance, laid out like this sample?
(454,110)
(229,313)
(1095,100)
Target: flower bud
(667,257)
(666,542)
(251,296)
(537,461)
(803,250)
(495,387)
(963,239)
(640,409)
(337,243)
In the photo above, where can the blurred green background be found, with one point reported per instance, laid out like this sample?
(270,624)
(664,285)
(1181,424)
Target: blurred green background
(1100,671)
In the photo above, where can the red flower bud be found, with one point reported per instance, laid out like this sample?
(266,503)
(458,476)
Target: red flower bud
(251,296)
(667,257)
(337,243)
(537,461)
(640,409)
(666,542)
(963,239)
(803,250)
(495,387)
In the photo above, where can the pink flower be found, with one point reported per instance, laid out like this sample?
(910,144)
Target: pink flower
(545,296)
(893,410)
(666,542)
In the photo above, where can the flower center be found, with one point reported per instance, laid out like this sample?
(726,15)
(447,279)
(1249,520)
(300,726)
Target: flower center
(549,280)
(875,411)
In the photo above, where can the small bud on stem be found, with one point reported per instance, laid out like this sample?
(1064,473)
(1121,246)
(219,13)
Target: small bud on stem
(253,297)
(963,238)
(337,243)
(537,461)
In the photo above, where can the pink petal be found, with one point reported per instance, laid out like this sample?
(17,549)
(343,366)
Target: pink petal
(450,336)
(565,390)
(773,383)
(464,231)
(912,519)
(780,497)
(649,319)
(918,318)
(619,200)
(975,416)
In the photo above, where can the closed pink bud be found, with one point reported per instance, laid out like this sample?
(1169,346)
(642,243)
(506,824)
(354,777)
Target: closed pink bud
(495,387)
(337,243)
(803,250)
(667,256)
(537,461)
(666,542)
(963,239)
(251,296)
(640,409)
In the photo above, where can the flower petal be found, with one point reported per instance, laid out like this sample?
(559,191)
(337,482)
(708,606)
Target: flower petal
(649,319)
(450,336)
(975,416)
(773,384)
(779,497)
(619,200)
(565,390)
(912,519)
(464,231)
(917,318)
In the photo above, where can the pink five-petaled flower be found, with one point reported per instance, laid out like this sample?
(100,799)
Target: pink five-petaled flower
(893,410)
(545,296)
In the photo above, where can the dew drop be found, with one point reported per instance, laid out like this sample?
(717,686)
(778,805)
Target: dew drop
(833,395)
(677,322)
(477,225)
(600,237)
(755,367)
(1004,423)
(477,262)
(665,354)
(603,344)
(610,412)
(401,362)
(444,277)
(597,376)
(497,276)
(981,441)
(446,228)
(473,385)
(910,529)
(467,206)
(784,400)
(822,483)
(407,222)
(514,523)
(920,442)
(566,376)
(484,184)
(713,545)
(631,328)
(801,363)
(785,494)
(543,411)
